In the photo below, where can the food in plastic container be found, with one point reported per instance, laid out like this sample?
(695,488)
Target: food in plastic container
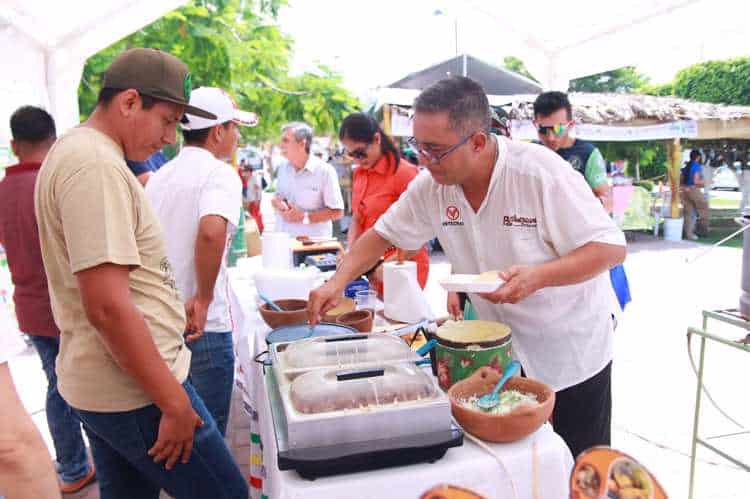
(331,390)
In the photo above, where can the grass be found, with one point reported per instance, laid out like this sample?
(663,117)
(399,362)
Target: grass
(717,233)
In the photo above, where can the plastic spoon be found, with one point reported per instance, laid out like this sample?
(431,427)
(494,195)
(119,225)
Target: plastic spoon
(269,302)
(487,402)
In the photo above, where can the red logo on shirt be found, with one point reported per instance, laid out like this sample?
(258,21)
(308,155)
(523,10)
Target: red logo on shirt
(452,213)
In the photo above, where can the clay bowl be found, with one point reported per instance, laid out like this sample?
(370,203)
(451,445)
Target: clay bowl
(345,306)
(510,427)
(294,312)
(361,320)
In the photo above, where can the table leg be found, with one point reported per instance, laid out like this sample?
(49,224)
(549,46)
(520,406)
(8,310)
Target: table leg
(696,417)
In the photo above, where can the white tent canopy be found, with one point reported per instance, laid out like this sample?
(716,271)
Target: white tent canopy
(566,40)
(558,41)
(45,45)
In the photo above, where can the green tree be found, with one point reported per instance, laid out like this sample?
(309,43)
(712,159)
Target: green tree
(236,45)
(516,65)
(726,82)
(651,156)
(622,80)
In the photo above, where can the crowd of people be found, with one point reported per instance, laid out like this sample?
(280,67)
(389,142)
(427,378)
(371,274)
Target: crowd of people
(118,258)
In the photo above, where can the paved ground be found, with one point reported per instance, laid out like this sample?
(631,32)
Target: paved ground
(654,386)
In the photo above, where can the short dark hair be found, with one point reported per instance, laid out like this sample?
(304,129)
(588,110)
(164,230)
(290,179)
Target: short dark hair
(32,125)
(199,137)
(549,102)
(361,127)
(107,94)
(695,154)
(462,98)
(301,131)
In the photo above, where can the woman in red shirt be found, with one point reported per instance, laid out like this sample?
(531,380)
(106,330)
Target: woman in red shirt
(381,175)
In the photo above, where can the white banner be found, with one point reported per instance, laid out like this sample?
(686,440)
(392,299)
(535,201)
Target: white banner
(684,129)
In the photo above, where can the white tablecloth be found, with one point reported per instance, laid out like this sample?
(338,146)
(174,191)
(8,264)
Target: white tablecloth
(543,452)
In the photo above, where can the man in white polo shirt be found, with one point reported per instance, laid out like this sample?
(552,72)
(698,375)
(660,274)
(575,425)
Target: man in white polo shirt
(496,204)
(308,195)
(198,199)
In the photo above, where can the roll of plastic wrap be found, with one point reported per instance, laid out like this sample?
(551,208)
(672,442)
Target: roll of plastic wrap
(404,300)
(277,250)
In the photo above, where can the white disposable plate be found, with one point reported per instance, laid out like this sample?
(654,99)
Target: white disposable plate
(469,283)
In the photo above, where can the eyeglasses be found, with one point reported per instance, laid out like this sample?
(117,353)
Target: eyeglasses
(433,157)
(558,129)
(360,153)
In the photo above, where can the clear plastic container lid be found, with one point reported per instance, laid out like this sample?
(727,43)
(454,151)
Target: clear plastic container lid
(328,390)
(343,351)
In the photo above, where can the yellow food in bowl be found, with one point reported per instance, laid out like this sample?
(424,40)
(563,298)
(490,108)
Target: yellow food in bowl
(472,331)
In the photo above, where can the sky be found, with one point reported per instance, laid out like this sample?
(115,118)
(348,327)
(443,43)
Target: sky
(374,44)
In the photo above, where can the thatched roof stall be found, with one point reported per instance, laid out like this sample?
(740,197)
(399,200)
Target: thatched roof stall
(674,117)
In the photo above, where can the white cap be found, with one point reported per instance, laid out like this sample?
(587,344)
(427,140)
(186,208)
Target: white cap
(218,102)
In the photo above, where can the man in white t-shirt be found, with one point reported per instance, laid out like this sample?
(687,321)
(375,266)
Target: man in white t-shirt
(308,195)
(25,464)
(500,205)
(198,199)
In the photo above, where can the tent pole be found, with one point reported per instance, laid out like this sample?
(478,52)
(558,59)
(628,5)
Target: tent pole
(387,119)
(455,38)
(673,171)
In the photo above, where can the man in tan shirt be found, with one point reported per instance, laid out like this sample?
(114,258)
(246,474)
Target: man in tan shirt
(123,362)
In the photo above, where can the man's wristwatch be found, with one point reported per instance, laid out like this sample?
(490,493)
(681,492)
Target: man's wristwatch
(306,219)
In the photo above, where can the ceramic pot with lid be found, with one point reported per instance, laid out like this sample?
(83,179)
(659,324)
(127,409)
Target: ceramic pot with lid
(465,346)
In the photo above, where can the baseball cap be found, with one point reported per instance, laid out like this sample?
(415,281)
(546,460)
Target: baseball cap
(221,105)
(156,74)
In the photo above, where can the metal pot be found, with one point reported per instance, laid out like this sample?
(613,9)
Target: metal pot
(454,361)
(301,331)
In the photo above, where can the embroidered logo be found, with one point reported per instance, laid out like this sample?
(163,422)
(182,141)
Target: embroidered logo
(516,221)
(453,216)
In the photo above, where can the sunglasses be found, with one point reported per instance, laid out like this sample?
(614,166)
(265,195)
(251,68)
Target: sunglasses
(360,153)
(557,130)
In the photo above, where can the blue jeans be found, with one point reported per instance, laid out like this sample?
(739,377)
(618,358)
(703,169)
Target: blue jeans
(212,374)
(64,426)
(120,442)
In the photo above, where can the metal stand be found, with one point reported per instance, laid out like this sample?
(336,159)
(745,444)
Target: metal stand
(730,317)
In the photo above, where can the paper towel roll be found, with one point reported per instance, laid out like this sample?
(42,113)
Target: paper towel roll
(277,250)
(404,300)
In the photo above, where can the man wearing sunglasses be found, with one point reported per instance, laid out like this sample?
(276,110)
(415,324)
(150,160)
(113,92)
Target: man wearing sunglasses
(516,208)
(553,117)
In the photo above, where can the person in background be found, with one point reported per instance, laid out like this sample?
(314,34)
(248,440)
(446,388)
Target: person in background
(553,117)
(25,465)
(254,195)
(244,173)
(144,169)
(693,199)
(379,179)
(123,364)
(197,197)
(33,132)
(308,196)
